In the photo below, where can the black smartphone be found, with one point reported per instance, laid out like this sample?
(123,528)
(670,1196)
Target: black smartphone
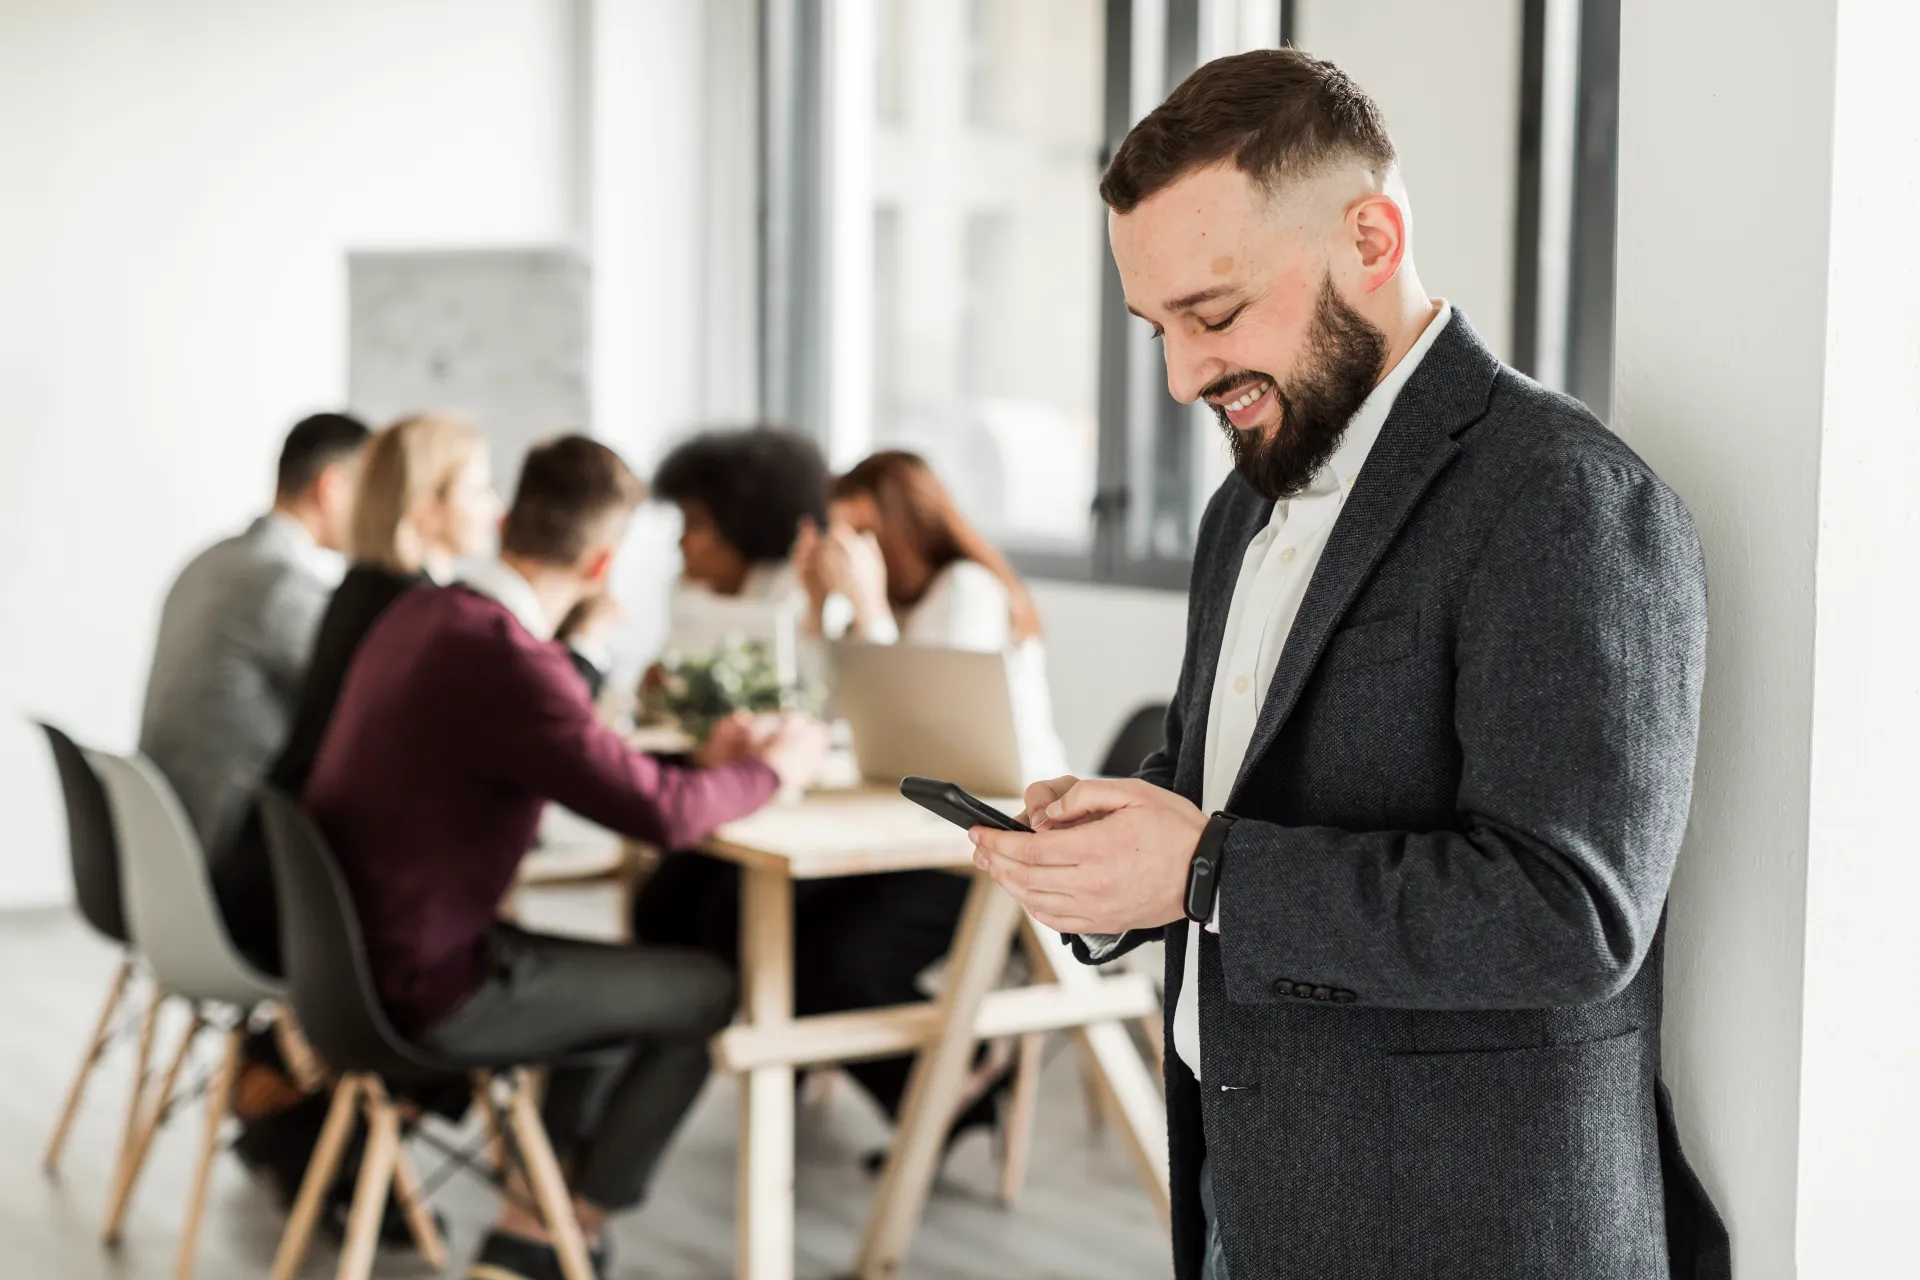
(956,806)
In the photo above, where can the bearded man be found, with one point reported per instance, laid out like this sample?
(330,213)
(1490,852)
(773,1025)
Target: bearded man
(1426,771)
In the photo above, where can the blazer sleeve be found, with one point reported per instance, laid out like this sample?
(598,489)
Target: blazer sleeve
(541,732)
(1579,661)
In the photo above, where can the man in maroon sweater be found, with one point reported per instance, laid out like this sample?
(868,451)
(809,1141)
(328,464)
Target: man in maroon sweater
(460,718)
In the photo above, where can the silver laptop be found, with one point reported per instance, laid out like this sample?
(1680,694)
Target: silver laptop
(939,713)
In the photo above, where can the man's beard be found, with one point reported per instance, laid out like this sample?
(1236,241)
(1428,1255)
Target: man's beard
(1337,371)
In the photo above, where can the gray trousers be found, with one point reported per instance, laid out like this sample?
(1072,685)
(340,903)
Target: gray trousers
(1214,1265)
(548,996)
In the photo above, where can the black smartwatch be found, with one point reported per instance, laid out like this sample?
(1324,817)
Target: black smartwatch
(1203,873)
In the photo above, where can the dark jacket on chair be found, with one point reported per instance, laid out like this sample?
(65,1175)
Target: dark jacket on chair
(241,875)
(1431,1017)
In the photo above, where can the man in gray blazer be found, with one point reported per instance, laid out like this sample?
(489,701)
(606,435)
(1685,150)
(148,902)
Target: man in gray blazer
(238,626)
(1440,698)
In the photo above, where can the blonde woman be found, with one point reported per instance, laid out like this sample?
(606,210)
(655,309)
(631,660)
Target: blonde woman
(424,499)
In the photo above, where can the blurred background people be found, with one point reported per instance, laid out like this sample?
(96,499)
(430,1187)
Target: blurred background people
(913,569)
(238,627)
(461,720)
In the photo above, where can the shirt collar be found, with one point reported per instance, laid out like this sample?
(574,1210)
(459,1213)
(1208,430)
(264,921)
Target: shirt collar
(499,581)
(1371,416)
(328,566)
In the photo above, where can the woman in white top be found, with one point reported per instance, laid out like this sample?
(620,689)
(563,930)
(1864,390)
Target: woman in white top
(915,570)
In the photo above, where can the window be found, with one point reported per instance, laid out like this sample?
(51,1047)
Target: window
(937,269)
(988,239)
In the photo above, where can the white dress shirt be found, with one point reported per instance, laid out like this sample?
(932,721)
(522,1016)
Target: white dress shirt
(1274,575)
(500,582)
(328,566)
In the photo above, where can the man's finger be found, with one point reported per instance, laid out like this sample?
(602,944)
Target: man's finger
(1034,878)
(1093,797)
(1052,848)
(1040,795)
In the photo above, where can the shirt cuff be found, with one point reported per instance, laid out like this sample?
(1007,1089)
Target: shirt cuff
(1100,945)
(1213,924)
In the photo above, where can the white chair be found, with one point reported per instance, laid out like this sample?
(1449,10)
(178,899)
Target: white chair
(177,925)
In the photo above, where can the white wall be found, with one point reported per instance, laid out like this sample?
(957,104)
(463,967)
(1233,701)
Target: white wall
(1109,650)
(1859,1183)
(1448,78)
(179,184)
(1767,350)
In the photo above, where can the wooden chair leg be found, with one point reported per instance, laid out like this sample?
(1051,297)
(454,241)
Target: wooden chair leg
(490,1117)
(123,1170)
(1093,1095)
(370,1193)
(549,1187)
(149,1124)
(1018,1135)
(96,1049)
(408,1189)
(321,1170)
(219,1102)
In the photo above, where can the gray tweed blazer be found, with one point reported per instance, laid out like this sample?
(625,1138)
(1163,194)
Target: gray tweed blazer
(235,636)
(1431,1018)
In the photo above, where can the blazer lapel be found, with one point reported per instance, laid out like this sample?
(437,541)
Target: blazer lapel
(1446,393)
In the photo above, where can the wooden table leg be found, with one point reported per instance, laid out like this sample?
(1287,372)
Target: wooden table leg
(939,1076)
(763,1241)
(1116,1068)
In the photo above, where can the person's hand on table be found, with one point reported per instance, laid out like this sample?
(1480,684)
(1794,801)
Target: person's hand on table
(1105,855)
(738,737)
(795,748)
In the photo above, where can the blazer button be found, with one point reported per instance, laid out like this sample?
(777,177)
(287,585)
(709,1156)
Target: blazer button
(1344,997)
(1323,994)
(1282,987)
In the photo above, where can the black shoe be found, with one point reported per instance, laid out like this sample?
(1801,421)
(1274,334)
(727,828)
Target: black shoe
(506,1257)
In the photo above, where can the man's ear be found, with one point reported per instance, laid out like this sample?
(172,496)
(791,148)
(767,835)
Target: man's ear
(596,565)
(1379,227)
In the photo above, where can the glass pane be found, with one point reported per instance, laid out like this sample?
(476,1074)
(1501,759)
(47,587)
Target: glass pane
(989,239)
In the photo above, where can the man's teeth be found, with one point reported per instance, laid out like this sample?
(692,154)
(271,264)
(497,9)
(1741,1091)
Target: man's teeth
(1246,401)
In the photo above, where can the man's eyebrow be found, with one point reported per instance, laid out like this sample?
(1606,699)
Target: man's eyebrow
(1192,300)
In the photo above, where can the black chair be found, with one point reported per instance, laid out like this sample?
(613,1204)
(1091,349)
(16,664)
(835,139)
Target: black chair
(94,853)
(330,987)
(1138,738)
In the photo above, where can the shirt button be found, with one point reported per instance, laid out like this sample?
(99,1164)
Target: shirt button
(1241,684)
(1286,556)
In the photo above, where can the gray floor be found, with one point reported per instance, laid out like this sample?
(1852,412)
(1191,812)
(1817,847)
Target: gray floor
(1082,1215)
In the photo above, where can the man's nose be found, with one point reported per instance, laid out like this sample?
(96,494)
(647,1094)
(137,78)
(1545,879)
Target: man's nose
(1188,370)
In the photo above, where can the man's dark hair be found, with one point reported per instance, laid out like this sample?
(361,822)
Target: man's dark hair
(314,444)
(756,485)
(1278,115)
(572,490)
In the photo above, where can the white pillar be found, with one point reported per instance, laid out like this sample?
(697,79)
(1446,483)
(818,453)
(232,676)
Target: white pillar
(1766,350)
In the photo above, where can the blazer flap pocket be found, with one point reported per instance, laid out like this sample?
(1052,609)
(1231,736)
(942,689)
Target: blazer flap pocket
(1373,641)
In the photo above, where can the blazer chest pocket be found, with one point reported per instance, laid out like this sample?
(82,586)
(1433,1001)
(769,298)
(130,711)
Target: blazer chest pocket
(1370,643)
(1523,1163)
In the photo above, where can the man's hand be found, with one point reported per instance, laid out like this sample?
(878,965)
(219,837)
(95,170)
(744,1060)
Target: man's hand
(1111,856)
(1042,794)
